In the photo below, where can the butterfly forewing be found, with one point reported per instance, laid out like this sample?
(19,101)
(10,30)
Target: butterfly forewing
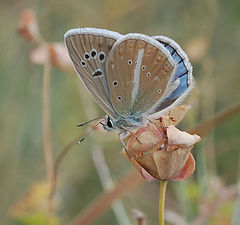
(89,48)
(139,69)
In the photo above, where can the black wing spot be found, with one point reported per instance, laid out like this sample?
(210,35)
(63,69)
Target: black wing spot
(101,56)
(83,63)
(115,83)
(148,74)
(130,62)
(93,53)
(86,56)
(119,98)
(97,73)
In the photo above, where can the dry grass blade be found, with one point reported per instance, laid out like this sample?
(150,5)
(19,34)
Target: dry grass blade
(209,124)
(57,164)
(104,201)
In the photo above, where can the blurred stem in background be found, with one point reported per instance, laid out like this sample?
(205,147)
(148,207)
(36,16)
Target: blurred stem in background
(236,214)
(46,120)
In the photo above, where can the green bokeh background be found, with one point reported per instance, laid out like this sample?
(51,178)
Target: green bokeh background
(21,149)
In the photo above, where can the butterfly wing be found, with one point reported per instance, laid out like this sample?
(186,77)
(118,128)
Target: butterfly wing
(181,82)
(88,49)
(139,70)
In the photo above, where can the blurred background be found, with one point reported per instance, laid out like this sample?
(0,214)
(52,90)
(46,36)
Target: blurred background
(207,30)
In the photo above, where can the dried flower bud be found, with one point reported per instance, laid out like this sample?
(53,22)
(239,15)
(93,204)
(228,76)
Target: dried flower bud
(56,53)
(140,216)
(28,26)
(164,152)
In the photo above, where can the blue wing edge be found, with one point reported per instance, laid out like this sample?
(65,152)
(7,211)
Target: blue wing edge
(180,83)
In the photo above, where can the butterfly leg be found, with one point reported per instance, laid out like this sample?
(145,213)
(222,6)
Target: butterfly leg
(132,135)
(121,137)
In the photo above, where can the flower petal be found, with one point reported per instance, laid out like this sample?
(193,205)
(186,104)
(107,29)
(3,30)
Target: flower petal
(180,138)
(187,170)
(149,136)
(146,161)
(169,163)
(147,176)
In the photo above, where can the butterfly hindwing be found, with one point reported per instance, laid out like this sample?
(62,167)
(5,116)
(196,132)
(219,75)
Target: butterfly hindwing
(88,49)
(181,82)
(139,69)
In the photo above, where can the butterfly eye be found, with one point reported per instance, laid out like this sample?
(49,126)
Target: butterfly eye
(115,83)
(143,67)
(83,63)
(109,124)
(130,62)
(101,56)
(93,53)
(86,56)
(119,98)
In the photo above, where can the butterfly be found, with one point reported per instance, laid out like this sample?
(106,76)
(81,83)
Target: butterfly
(133,77)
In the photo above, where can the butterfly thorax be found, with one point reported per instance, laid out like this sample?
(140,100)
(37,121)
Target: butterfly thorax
(125,123)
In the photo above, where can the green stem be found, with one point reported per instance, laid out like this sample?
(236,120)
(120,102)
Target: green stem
(163,186)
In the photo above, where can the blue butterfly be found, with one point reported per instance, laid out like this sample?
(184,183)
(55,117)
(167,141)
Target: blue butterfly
(133,77)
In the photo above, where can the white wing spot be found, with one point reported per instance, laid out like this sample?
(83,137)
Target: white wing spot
(156,78)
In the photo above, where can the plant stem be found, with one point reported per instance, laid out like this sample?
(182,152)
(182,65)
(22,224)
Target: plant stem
(46,121)
(163,186)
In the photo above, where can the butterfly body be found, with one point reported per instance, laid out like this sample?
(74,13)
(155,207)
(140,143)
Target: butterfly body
(133,77)
(125,123)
